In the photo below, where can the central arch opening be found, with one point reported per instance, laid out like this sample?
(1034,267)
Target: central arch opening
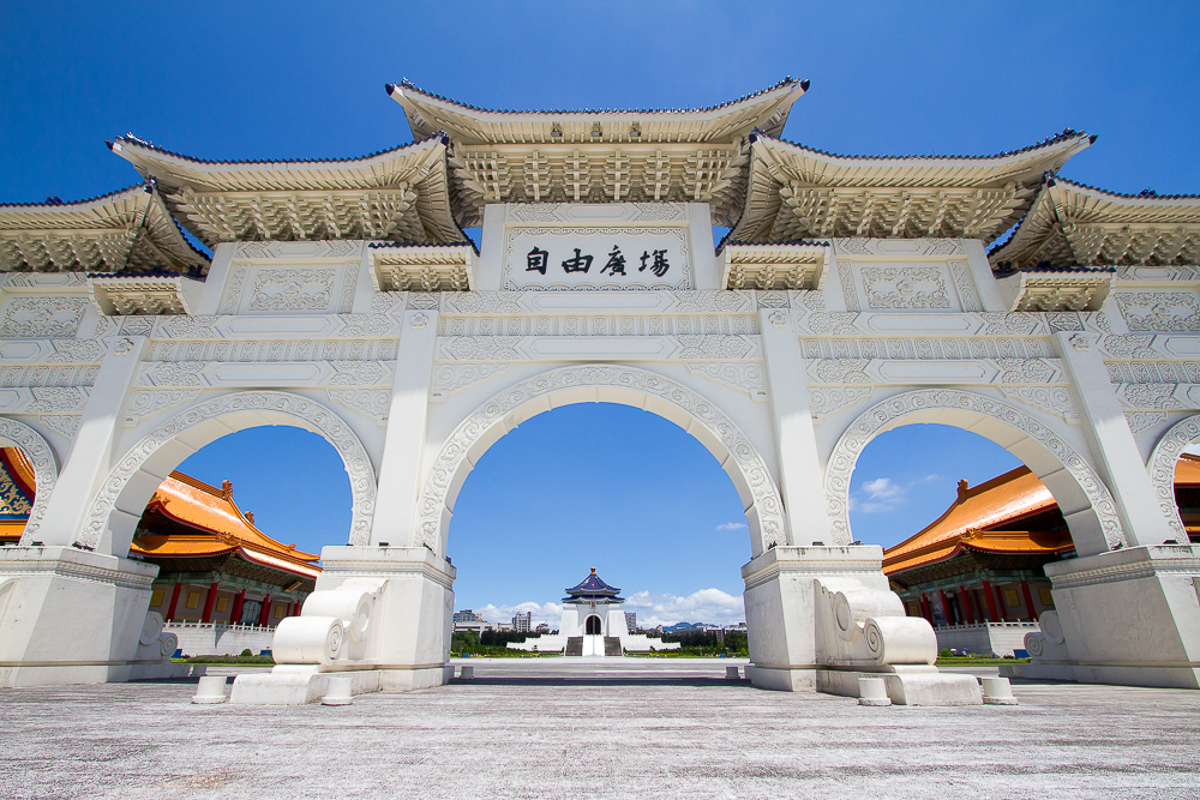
(607,486)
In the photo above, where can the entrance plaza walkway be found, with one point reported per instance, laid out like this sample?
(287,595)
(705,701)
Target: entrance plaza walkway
(598,728)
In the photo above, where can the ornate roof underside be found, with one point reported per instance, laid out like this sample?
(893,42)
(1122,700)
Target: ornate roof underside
(766,110)
(398,195)
(795,192)
(1071,225)
(130,230)
(632,156)
(422,268)
(773,265)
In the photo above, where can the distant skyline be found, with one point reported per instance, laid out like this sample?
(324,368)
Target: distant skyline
(595,486)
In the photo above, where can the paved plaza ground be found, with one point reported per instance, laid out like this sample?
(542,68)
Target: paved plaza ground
(610,728)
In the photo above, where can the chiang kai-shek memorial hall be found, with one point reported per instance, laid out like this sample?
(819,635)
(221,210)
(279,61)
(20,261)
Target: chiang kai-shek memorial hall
(851,295)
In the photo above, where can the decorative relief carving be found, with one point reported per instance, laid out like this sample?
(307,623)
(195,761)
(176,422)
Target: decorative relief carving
(1141,421)
(485,303)
(64,424)
(845,272)
(1028,370)
(43,317)
(658,212)
(1119,346)
(925,348)
(775,298)
(425,301)
(1055,400)
(334,248)
(292,290)
(374,403)
(905,287)
(881,415)
(201,326)
(481,348)
(1163,459)
(174,373)
(349,285)
(1003,323)
(450,378)
(149,402)
(905,247)
(76,351)
(749,378)
(1148,395)
(699,301)
(826,400)
(365,326)
(233,290)
(1175,312)
(1064,321)
(573,326)
(360,373)
(839,370)
(714,347)
(12,377)
(56,399)
(418,322)
(45,470)
(388,302)
(768,519)
(779,319)
(273,350)
(1153,371)
(311,415)
(965,286)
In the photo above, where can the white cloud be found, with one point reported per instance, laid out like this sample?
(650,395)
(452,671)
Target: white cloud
(707,605)
(884,494)
(549,613)
(731,526)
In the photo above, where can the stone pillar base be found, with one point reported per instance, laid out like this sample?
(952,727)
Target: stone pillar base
(70,616)
(381,615)
(782,679)
(907,685)
(1129,617)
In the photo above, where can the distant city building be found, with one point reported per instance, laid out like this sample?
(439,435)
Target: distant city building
(593,624)
(543,628)
(631,621)
(467,615)
(521,622)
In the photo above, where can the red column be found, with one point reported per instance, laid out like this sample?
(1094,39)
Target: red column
(235,616)
(1028,601)
(991,602)
(264,616)
(208,604)
(968,612)
(174,601)
(1003,605)
(946,607)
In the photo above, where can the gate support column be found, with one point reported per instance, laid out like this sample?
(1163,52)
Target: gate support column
(68,615)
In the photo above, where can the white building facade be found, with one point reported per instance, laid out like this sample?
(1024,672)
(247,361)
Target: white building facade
(851,296)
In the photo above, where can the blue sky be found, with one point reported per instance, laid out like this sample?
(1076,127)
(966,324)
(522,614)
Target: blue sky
(299,79)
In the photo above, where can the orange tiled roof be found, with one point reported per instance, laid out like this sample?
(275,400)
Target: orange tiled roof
(221,528)
(1004,500)
(1187,471)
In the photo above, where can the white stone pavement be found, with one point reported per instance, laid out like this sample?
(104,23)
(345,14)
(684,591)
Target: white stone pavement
(598,728)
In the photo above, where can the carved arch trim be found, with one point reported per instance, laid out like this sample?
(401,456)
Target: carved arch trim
(1163,458)
(890,413)
(262,406)
(45,469)
(602,383)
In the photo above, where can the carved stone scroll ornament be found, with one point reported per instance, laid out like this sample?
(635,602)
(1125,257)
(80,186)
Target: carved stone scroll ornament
(1162,469)
(308,414)
(334,627)
(882,415)
(767,524)
(867,628)
(45,470)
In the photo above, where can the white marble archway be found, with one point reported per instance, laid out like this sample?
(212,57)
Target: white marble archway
(1083,498)
(1165,455)
(611,384)
(45,469)
(115,510)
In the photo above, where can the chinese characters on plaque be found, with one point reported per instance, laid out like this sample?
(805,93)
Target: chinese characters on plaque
(656,261)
